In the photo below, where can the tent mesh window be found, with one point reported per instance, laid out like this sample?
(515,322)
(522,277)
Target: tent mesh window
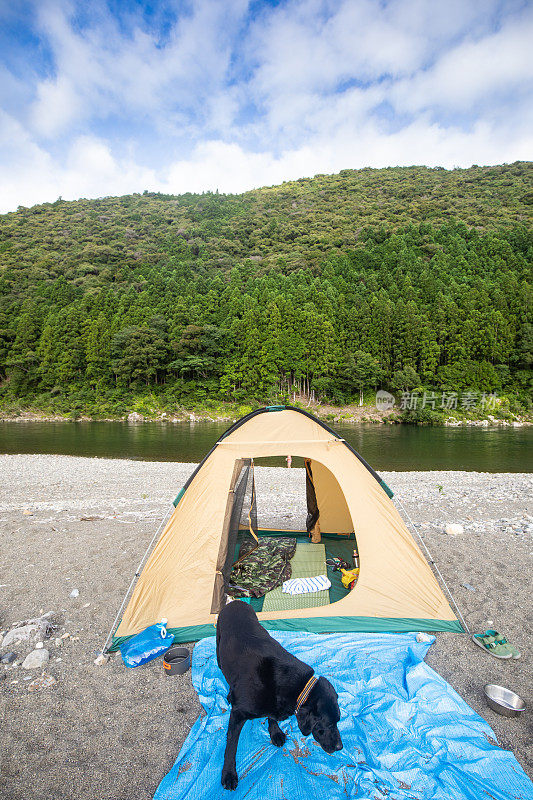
(243,517)
(310,494)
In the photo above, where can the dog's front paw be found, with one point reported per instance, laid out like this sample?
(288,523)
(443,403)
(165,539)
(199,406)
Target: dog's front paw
(229,779)
(278,738)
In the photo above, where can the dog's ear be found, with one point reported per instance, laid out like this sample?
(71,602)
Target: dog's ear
(304,720)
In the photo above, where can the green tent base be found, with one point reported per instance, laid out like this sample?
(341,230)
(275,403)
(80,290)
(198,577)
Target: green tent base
(336,545)
(192,633)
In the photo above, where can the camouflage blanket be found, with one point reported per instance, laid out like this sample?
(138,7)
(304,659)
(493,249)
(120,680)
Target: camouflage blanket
(260,568)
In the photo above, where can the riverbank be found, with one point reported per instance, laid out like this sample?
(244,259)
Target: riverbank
(71,523)
(352,414)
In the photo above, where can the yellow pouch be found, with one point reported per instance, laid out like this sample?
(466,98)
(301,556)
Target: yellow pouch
(349,576)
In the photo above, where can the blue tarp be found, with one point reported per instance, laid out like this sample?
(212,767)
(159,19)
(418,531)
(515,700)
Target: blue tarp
(407,734)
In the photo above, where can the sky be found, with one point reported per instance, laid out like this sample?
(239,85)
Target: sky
(108,98)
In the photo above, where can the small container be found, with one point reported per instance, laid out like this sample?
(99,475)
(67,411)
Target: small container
(176,661)
(504,701)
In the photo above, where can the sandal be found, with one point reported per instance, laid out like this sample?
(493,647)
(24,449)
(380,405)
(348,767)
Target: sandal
(489,642)
(503,641)
(337,564)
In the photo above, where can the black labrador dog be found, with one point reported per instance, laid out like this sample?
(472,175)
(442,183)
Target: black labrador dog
(267,681)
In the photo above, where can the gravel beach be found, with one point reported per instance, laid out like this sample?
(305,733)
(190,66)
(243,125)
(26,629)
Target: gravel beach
(108,733)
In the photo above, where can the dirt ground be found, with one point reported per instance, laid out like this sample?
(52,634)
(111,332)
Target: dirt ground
(108,733)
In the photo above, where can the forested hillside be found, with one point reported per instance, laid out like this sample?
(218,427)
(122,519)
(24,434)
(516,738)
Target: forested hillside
(396,278)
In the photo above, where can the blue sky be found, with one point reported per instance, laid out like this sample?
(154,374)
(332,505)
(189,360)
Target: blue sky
(100,98)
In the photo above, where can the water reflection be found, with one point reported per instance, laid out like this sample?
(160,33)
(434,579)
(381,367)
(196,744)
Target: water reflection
(385,447)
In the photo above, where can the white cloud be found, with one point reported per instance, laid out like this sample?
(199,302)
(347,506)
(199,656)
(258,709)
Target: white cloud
(231,169)
(102,70)
(57,105)
(309,47)
(223,101)
(91,170)
(316,70)
(30,175)
(473,71)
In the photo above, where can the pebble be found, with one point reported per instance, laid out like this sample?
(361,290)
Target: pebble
(22,634)
(36,659)
(30,630)
(44,681)
(8,658)
(453,529)
(74,593)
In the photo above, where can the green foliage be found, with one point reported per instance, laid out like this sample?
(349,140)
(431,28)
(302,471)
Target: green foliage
(422,416)
(403,278)
(405,379)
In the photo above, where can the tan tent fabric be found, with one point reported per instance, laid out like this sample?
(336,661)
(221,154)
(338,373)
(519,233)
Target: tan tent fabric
(334,513)
(178,580)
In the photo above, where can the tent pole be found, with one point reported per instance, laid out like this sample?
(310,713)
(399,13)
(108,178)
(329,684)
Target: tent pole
(437,570)
(130,587)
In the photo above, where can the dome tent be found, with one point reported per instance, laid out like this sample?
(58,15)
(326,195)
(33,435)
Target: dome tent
(185,577)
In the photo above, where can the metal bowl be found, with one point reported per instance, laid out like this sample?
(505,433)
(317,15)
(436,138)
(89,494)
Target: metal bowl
(503,700)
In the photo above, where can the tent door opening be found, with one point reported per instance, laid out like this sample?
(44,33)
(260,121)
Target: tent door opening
(254,560)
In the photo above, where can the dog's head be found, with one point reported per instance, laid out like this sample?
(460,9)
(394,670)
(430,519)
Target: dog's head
(320,714)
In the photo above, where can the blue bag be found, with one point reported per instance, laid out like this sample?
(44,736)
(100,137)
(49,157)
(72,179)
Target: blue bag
(146,645)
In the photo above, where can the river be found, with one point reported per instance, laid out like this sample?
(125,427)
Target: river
(385,447)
